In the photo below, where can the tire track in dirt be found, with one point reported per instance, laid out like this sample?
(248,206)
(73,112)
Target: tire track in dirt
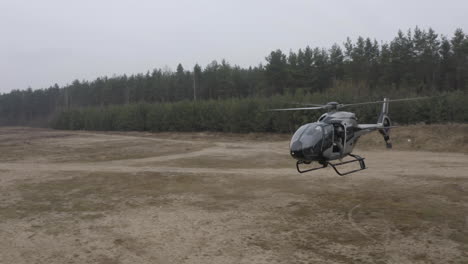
(91,167)
(355,226)
(385,242)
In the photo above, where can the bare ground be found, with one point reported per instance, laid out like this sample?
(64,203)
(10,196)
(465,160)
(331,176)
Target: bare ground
(84,197)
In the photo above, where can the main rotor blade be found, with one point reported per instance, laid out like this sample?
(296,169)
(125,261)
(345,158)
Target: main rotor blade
(297,109)
(307,104)
(395,100)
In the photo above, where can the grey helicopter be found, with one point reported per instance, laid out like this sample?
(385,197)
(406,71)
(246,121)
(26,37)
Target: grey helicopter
(335,134)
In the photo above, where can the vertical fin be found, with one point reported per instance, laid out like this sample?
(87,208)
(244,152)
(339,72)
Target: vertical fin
(384,112)
(386,122)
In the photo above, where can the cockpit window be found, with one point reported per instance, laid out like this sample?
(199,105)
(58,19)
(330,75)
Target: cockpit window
(314,129)
(327,136)
(299,132)
(311,139)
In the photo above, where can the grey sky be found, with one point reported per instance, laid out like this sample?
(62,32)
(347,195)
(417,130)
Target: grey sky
(56,41)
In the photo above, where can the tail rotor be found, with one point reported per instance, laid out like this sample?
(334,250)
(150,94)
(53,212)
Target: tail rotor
(385,121)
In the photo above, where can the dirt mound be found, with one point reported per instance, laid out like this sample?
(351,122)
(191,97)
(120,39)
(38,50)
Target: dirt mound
(440,138)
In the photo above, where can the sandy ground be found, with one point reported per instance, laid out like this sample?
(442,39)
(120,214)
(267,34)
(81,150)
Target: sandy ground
(84,197)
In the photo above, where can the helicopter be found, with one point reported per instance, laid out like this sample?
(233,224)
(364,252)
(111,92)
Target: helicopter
(335,134)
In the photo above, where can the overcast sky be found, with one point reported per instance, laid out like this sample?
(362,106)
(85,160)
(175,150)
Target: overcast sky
(57,41)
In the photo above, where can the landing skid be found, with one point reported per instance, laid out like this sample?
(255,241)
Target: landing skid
(334,165)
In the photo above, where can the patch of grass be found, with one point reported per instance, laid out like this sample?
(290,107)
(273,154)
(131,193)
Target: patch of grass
(409,210)
(420,257)
(436,137)
(58,146)
(93,193)
(268,160)
(90,196)
(460,236)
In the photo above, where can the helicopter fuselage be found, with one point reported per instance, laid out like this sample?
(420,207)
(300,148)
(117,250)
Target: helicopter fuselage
(332,137)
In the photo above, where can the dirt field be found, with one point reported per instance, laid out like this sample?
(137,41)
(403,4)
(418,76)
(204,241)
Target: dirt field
(85,197)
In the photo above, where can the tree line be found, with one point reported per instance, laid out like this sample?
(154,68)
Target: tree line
(415,62)
(241,115)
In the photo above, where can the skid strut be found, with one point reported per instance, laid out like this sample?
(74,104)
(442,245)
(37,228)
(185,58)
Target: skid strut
(324,164)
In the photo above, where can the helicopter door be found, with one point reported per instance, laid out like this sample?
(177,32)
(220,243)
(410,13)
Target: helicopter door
(344,139)
(349,133)
(327,137)
(339,135)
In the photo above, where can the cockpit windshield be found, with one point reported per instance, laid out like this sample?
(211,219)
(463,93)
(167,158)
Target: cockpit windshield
(309,139)
(311,136)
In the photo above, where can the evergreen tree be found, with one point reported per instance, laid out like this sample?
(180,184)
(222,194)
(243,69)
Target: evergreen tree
(276,71)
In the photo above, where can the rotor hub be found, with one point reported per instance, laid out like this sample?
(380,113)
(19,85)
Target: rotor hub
(333,106)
